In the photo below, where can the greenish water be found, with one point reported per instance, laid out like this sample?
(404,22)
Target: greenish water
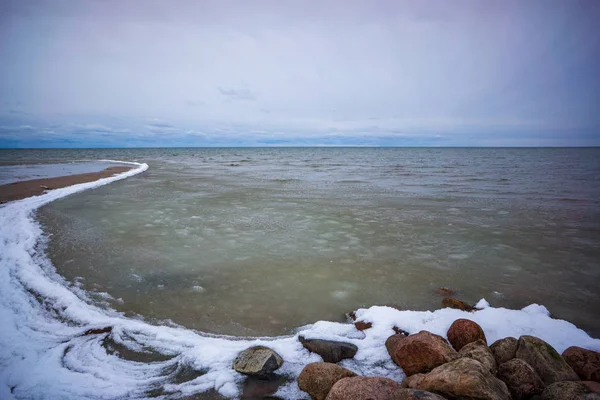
(260,241)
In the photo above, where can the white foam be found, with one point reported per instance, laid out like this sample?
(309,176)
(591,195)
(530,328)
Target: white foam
(43,353)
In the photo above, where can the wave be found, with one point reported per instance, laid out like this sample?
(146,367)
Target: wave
(55,343)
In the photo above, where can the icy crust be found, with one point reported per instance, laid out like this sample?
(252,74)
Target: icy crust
(44,353)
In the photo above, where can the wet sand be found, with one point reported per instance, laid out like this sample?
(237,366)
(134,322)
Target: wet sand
(35,187)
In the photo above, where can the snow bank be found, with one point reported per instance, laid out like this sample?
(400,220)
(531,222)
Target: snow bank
(44,354)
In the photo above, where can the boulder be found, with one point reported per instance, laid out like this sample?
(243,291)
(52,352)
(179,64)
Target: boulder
(414,394)
(504,349)
(451,302)
(257,361)
(375,388)
(546,361)
(362,325)
(520,378)
(592,385)
(464,331)
(262,387)
(479,351)
(362,387)
(464,378)
(316,379)
(420,352)
(586,363)
(330,350)
(568,391)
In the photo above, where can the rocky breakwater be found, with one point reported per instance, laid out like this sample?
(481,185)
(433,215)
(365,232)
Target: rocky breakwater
(461,367)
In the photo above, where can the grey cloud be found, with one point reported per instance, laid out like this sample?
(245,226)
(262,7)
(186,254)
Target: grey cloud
(237,93)
(301,69)
(195,103)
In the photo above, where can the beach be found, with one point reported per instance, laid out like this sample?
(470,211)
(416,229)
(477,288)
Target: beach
(35,187)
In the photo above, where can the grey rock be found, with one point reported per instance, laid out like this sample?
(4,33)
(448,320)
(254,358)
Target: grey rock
(257,361)
(568,390)
(331,351)
(546,361)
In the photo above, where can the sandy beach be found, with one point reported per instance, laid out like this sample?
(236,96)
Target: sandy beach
(35,187)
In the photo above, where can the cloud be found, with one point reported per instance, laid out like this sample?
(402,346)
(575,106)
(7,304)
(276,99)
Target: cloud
(237,94)
(195,103)
(297,72)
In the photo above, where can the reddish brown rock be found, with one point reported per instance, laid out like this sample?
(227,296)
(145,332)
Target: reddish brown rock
(362,387)
(444,291)
(362,325)
(464,331)
(504,349)
(317,379)
(520,378)
(420,352)
(108,329)
(586,363)
(451,302)
(464,378)
(400,331)
(375,388)
(479,351)
(592,385)
(545,360)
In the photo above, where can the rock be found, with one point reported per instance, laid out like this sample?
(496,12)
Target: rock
(444,291)
(464,378)
(316,379)
(257,361)
(260,388)
(479,351)
(592,385)
(375,388)
(585,363)
(546,361)
(568,391)
(413,381)
(331,351)
(504,349)
(420,352)
(362,325)
(400,331)
(362,387)
(520,378)
(451,302)
(100,331)
(464,331)
(415,394)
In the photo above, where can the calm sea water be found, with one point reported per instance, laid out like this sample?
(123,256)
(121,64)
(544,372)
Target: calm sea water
(260,241)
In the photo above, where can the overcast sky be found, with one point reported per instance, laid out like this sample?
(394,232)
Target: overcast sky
(197,73)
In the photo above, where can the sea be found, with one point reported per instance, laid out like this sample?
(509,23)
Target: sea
(221,246)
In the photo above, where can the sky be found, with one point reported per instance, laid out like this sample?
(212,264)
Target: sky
(113,73)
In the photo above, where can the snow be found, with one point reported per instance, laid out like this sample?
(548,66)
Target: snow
(43,354)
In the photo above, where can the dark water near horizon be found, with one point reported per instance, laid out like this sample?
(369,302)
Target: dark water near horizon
(258,241)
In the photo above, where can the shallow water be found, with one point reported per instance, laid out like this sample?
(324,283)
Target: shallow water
(260,241)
